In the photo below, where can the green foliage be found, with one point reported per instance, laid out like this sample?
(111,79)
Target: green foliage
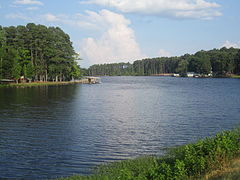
(75,71)
(129,169)
(42,53)
(9,63)
(116,69)
(2,38)
(237,63)
(28,71)
(180,171)
(184,162)
(84,72)
(200,63)
(161,171)
(182,68)
(222,62)
(16,70)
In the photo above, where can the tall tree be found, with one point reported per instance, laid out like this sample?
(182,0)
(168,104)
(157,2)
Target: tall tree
(2,48)
(42,53)
(16,70)
(182,68)
(200,63)
(237,63)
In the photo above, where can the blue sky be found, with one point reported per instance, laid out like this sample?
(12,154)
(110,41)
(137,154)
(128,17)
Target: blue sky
(107,31)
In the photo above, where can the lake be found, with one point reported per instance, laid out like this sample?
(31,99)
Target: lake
(55,131)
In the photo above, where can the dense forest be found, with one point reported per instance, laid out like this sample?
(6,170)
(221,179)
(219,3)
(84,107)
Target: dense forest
(37,53)
(220,62)
(40,53)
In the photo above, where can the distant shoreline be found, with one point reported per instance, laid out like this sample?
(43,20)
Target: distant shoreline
(86,81)
(233,76)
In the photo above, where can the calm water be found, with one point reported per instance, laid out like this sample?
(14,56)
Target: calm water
(48,132)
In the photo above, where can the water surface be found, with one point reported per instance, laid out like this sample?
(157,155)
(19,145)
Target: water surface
(53,131)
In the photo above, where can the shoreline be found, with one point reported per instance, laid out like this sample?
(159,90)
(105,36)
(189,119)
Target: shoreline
(86,81)
(47,83)
(233,76)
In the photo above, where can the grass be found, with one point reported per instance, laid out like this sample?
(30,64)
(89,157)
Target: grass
(230,172)
(206,159)
(38,84)
(235,76)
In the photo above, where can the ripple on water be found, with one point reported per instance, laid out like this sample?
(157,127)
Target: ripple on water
(50,132)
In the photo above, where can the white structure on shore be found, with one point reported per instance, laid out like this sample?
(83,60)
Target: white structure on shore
(190,74)
(176,75)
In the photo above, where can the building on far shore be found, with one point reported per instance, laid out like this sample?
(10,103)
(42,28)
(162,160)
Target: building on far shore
(197,75)
(190,74)
(176,75)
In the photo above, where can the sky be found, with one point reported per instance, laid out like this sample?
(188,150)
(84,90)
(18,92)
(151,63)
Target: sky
(111,31)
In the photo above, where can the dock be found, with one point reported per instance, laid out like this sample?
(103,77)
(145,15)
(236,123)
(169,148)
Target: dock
(89,80)
(7,81)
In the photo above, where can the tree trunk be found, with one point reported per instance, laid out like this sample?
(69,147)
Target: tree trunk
(46,75)
(1,69)
(60,78)
(32,56)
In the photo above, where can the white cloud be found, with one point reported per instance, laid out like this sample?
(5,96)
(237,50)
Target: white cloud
(229,44)
(51,18)
(199,9)
(18,16)
(32,8)
(113,40)
(77,20)
(28,2)
(116,44)
(163,53)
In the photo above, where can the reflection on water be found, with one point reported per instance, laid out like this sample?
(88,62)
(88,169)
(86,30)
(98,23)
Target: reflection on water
(50,131)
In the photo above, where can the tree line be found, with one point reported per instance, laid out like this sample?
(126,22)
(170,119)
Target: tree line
(37,53)
(219,62)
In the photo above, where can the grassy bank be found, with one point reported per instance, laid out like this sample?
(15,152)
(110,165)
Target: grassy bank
(235,76)
(230,172)
(42,84)
(200,160)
